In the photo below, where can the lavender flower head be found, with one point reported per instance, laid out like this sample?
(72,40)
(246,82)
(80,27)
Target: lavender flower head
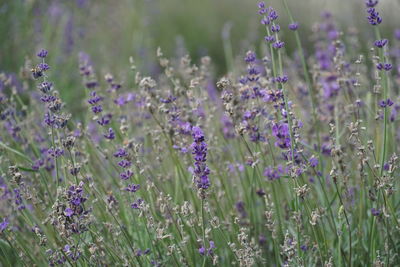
(293,26)
(199,151)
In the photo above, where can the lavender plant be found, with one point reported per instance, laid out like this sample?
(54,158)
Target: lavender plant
(287,160)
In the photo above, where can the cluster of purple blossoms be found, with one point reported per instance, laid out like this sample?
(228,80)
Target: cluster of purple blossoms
(55,152)
(199,150)
(137,203)
(293,26)
(18,199)
(384,66)
(53,116)
(252,89)
(251,80)
(373,15)
(91,83)
(4,224)
(250,124)
(68,253)
(381,43)
(313,161)
(210,251)
(281,133)
(274,173)
(386,103)
(73,253)
(124,163)
(76,201)
(127,173)
(269,17)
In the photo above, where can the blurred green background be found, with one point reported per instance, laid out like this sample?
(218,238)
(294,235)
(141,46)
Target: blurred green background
(112,30)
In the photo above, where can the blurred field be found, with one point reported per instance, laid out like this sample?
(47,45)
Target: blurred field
(111,31)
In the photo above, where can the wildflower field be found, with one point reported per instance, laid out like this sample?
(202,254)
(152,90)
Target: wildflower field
(280,151)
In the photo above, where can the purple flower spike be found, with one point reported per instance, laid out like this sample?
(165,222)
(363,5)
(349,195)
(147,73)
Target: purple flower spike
(373,17)
(199,151)
(42,53)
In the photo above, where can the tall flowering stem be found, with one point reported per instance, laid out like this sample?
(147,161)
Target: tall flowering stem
(383,67)
(269,18)
(201,172)
(294,27)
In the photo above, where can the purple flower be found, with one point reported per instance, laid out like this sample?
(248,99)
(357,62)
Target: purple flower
(121,152)
(126,175)
(94,98)
(199,150)
(210,251)
(76,199)
(125,163)
(375,212)
(281,132)
(250,57)
(265,21)
(373,17)
(269,38)
(120,101)
(110,134)
(278,44)
(313,161)
(384,66)
(43,66)
(386,103)
(97,109)
(273,174)
(275,28)
(304,247)
(281,79)
(293,26)
(55,152)
(380,43)
(132,188)
(4,224)
(371,3)
(273,15)
(68,212)
(137,203)
(42,53)
(202,251)
(45,87)
(104,120)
